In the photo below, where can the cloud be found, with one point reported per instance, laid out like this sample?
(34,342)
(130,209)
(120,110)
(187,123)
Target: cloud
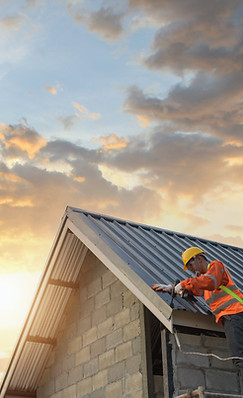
(170,175)
(236,228)
(12,22)
(143,121)
(107,21)
(51,89)
(187,43)
(111,142)
(44,178)
(207,105)
(67,121)
(182,171)
(19,141)
(84,112)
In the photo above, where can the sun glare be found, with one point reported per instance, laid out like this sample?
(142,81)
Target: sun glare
(16,292)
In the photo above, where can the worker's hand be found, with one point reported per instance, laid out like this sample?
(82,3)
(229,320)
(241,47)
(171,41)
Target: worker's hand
(178,288)
(162,288)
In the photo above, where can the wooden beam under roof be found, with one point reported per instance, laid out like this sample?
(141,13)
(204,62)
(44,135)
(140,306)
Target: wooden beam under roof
(23,394)
(41,340)
(59,282)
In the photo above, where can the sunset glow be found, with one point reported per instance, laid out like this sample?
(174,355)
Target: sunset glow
(136,112)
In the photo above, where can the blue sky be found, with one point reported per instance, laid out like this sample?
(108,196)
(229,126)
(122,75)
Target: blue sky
(131,109)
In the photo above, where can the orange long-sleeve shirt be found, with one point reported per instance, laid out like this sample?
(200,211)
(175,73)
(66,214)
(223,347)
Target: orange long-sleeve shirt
(209,285)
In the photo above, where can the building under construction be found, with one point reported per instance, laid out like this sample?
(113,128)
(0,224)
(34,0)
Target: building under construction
(97,329)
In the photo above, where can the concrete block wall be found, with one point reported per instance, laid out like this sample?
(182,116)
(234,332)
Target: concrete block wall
(192,371)
(99,351)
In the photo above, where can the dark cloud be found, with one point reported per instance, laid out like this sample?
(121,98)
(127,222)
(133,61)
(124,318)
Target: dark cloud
(201,38)
(207,105)
(198,36)
(107,21)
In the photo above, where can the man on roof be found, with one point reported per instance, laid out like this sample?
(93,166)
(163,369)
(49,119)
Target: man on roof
(214,281)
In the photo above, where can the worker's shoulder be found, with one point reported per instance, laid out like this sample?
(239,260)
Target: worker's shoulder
(216,264)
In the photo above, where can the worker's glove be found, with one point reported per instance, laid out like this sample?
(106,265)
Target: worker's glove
(178,288)
(162,288)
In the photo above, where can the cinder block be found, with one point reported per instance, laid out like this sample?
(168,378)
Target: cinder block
(114,306)
(87,307)
(132,330)
(90,336)
(100,379)
(220,381)
(61,381)
(135,311)
(100,393)
(84,324)
(83,355)
(123,351)
(75,375)
(114,390)
(138,394)
(189,339)
(57,395)
(105,327)
(134,383)
(68,362)
(117,289)
(107,359)
(83,293)
(98,347)
(98,316)
(189,378)
(136,345)
(133,364)
(114,339)
(211,341)
(198,361)
(218,364)
(74,345)
(122,318)
(94,287)
(84,387)
(102,298)
(108,278)
(91,367)
(116,371)
(129,299)
(70,392)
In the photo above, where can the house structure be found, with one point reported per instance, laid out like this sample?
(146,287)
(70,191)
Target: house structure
(97,329)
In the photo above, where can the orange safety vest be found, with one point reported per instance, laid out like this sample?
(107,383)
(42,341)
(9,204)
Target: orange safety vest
(226,300)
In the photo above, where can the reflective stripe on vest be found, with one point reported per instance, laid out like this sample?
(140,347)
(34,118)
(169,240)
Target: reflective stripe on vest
(226,291)
(225,305)
(215,297)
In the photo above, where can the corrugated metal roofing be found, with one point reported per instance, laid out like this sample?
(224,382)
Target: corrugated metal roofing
(138,254)
(155,254)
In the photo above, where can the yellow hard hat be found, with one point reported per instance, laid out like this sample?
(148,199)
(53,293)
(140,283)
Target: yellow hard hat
(190,253)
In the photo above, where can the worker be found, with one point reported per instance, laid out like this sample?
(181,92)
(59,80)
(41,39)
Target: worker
(220,293)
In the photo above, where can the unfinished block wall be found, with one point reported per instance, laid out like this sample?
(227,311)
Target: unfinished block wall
(99,351)
(192,371)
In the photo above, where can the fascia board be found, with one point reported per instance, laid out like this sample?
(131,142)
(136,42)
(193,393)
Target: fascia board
(120,269)
(196,320)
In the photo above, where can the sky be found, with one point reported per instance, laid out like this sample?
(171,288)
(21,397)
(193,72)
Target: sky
(130,108)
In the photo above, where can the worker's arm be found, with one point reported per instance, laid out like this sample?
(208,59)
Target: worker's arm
(211,280)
